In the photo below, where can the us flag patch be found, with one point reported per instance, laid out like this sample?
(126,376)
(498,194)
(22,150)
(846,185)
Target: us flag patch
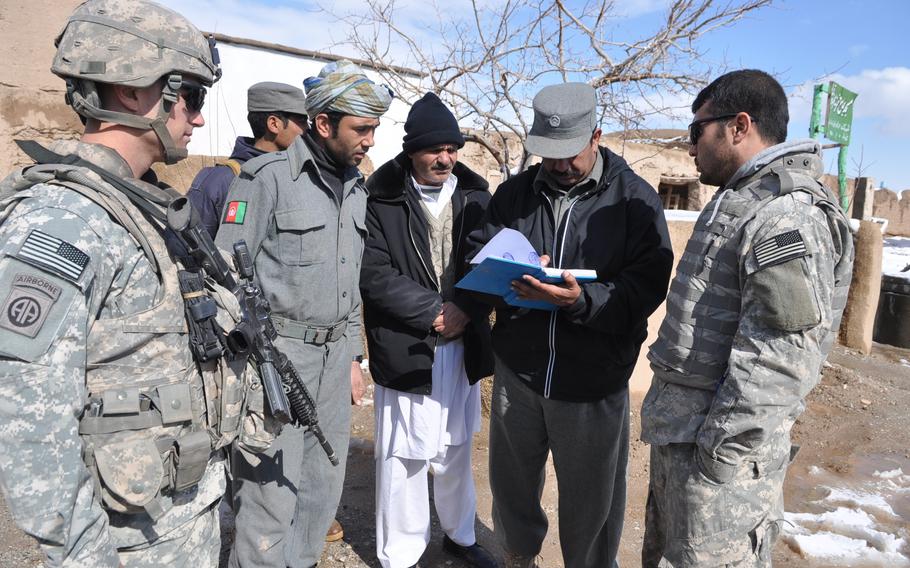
(43,250)
(780,248)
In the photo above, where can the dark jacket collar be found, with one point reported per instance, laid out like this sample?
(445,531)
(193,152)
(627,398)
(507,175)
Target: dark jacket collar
(245,150)
(613,165)
(299,155)
(391,179)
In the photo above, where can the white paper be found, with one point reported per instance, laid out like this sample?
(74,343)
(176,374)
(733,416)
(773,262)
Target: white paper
(578,273)
(510,245)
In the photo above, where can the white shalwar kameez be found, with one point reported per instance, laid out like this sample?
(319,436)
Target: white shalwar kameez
(417,434)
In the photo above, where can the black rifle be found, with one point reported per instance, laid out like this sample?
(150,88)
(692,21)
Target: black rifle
(286,395)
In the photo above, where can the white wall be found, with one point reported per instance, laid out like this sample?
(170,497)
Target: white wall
(225,107)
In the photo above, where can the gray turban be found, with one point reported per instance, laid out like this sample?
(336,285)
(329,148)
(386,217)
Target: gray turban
(342,87)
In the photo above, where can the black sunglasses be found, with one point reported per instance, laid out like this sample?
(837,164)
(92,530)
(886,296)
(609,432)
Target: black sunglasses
(194,95)
(697,128)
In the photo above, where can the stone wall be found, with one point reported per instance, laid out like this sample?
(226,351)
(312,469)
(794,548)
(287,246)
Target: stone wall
(830,182)
(886,204)
(31,97)
(654,163)
(896,210)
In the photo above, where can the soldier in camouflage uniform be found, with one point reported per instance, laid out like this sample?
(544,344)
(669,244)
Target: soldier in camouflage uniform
(751,315)
(111,435)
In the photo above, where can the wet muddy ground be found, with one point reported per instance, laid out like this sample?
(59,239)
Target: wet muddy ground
(854,437)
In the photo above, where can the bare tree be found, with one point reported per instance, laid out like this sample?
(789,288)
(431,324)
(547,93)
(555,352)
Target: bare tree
(488,62)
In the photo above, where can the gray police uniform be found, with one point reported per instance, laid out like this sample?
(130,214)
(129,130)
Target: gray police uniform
(109,433)
(307,250)
(751,315)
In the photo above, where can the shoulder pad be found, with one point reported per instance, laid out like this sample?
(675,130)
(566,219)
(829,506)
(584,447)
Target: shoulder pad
(233,164)
(251,167)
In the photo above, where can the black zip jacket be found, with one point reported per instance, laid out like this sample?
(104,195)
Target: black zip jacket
(399,287)
(585,351)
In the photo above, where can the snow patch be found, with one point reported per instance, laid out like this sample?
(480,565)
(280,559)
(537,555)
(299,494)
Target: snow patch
(848,523)
(857,526)
(860,500)
(891,474)
(896,257)
(682,215)
(838,550)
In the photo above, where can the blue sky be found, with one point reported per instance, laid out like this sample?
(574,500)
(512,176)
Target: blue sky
(862,45)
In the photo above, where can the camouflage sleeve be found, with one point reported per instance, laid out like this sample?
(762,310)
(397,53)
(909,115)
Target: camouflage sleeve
(249,212)
(50,274)
(787,264)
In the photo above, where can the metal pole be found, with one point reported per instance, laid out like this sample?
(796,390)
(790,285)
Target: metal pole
(842,177)
(815,123)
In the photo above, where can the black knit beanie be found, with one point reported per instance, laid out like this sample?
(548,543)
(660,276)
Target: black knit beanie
(430,123)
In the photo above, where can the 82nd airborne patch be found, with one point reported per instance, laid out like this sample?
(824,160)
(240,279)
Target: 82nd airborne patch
(28,303)
(236,211)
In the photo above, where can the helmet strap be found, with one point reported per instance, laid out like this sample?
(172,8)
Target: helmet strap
(170,94)
(85,100)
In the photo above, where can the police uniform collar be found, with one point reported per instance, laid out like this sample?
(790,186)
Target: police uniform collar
(104,157)
(299,154)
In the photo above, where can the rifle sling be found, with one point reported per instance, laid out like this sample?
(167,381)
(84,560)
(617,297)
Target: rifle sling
(139,196)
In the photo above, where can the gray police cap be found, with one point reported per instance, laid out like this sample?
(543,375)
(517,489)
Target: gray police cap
(275,97)
(565,116)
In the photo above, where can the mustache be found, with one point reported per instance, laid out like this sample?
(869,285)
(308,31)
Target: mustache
(441,168)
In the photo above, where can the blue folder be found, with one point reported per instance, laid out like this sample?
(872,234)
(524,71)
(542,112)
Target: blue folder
(495,275)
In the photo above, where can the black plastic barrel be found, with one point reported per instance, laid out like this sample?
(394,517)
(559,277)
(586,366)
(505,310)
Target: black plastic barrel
(892,318)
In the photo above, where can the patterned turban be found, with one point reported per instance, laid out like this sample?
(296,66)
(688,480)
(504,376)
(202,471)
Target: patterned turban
(342,87)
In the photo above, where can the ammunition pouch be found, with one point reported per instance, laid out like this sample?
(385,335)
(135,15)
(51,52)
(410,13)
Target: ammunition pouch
(155,418)
(133,453)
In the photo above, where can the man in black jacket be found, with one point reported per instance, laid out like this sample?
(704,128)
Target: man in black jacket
(561,382)
(428,346)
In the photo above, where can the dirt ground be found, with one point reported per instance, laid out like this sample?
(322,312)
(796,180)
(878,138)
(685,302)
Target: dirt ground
(857,416)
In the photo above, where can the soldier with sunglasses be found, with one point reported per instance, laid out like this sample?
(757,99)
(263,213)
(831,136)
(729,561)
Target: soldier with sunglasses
(751,315)
(112,422)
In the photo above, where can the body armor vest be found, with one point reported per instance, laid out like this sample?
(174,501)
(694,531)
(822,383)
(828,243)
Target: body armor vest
(708,277)
(154,416)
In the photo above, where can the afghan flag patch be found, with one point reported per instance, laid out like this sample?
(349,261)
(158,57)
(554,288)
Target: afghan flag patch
(780,248)
(236,212)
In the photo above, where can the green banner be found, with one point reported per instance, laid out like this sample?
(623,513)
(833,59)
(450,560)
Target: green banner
(840,113)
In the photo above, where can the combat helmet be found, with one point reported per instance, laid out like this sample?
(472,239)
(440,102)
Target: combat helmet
(134,43)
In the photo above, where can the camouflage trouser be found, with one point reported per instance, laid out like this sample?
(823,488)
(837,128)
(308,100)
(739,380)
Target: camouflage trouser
(691,521)
(193,545)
